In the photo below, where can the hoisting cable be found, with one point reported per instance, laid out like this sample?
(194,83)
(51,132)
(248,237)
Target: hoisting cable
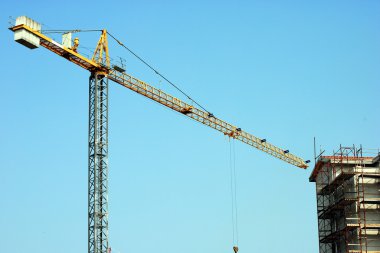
(234,213)
(158,73)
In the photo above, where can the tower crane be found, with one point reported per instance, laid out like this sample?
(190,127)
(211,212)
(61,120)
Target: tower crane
(28,32)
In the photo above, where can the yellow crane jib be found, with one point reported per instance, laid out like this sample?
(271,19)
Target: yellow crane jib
(203,117)
(28,33)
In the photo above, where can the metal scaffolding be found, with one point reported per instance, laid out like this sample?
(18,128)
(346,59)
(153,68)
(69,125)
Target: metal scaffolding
(348,201)
(98,165)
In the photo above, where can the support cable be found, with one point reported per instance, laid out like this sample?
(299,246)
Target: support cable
(133,53)
(67,31)
(156,71)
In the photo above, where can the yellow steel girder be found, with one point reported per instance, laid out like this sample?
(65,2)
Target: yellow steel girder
(100,63)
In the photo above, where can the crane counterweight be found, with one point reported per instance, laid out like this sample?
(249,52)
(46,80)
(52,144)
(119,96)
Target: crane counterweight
(25,37)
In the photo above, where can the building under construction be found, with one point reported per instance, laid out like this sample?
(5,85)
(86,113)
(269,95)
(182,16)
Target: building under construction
(348,201)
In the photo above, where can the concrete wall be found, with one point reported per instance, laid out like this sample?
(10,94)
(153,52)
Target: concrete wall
(354,213)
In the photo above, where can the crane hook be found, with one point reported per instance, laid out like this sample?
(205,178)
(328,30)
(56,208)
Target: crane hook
(236,249)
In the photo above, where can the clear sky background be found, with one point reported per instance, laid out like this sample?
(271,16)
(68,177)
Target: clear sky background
(282,70)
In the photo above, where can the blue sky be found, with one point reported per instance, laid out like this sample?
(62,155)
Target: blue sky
(282,70)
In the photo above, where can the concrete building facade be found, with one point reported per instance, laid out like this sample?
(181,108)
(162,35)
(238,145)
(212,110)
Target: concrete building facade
(348,201)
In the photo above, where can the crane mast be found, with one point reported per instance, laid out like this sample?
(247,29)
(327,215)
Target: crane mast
(28,33)
(98,164)
(98,152)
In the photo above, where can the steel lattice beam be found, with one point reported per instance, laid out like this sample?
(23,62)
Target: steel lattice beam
(98,165)
(165,99)
(203,117)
